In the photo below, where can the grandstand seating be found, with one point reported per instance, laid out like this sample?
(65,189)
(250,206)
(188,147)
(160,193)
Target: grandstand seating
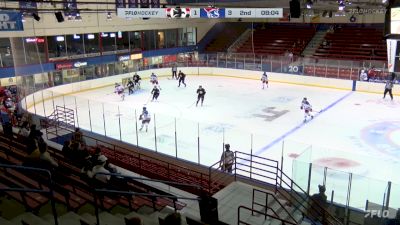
(227,36)
(277,39)
(353,43)
(71,188)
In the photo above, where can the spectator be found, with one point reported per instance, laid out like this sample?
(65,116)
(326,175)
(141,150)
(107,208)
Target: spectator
(392,76)
(324,43)
(24,131)
(290,56)
(35,134)
(363,76)
(99,168)
(66,150)
(227,159)
(172,219)
(77,137)
(133,221)
(5,121)
(318,206)
(9,104)
(45,156)
(371,73)
(95,157)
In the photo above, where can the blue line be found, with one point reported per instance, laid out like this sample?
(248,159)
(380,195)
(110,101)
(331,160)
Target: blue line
(299,126)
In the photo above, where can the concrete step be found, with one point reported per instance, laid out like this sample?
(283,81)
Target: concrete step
(109,219)
(91,219)
(70,218)
(145,210)
(49,218)
(6,222)
(30,218)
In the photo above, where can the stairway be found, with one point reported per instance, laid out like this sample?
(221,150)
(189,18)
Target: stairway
(106,218)
(242,38)
(314,43)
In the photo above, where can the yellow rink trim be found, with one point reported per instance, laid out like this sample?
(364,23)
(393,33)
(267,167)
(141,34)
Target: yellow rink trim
(210,75)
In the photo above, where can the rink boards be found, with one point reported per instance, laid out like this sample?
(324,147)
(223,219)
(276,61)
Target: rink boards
(77,87)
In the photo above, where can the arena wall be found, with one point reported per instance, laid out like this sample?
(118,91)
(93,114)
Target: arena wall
(77,87)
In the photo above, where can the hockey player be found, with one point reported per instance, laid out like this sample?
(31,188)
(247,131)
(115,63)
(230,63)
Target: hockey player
(200,95)
(136,81)
(181,76)
(174,69)
(131,86)
(264,80)
(119,90)
(145,118)
(388,89)
(155,92)
(153,79)
(306,106)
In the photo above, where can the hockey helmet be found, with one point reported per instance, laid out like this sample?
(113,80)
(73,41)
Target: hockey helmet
(144,108)
(227,146)
(305,98)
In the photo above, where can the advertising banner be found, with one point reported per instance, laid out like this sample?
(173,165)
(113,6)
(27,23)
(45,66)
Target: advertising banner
(391,53)
(134,13)
(11,21)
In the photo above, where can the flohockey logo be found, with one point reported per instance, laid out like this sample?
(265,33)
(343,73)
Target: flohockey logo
(212,12)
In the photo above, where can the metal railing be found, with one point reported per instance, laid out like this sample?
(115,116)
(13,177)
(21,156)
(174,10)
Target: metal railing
(275,199)
(273,217)
(23,190)
(302,201)
(149,194)
(267,171)
(143,163)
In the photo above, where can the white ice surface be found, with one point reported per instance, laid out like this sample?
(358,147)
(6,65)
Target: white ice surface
(359,134)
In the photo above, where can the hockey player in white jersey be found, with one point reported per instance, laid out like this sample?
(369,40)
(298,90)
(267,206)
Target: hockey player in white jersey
(153,79)
(119,89)
(145,118)
(264,80)
(306,106)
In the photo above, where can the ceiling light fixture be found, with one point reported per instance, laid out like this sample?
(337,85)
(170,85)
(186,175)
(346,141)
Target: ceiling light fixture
(109,17)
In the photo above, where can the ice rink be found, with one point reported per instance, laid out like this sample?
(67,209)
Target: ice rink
(351,131)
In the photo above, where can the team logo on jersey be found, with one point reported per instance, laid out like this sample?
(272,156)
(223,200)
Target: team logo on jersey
(212,13)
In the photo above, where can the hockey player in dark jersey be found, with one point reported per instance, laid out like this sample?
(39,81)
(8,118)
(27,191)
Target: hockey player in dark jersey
(136,81)
(181,77)
(130,86)
(200,95)
(155,92)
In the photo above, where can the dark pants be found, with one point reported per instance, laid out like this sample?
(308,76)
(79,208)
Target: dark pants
(200,97)
(183,82)
(390,93)
(228,167)
(174,75)
(155,96)
(7,129)
(130,89)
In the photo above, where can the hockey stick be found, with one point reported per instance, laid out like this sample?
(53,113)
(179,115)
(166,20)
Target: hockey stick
(192,104)
(149,99)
